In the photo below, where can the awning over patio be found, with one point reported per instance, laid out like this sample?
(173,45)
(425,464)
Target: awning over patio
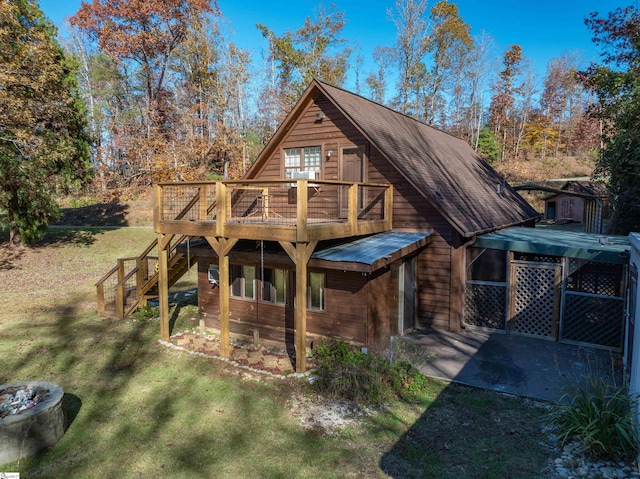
(371,252)
(592,247)
(365,254)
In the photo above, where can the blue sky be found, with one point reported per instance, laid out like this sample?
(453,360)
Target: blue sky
(543,28)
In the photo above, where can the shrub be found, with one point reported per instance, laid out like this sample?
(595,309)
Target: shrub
(147,312)
(344,372)
(600,416)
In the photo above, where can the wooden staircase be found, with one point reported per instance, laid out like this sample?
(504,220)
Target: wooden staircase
(133,281)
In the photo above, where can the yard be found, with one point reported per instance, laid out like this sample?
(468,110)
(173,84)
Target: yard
(139,409)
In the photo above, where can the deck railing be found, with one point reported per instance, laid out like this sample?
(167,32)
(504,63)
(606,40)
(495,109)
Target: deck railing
(289,210)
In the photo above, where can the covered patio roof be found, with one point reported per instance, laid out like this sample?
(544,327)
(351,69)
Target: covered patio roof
(592,247)
(365,254)
(370,253)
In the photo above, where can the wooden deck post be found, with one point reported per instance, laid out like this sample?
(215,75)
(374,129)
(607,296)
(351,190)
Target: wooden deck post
(101,305)
(221,209)
(222,247)
(300,254)
(163,288)
(388,207)
(157,207)
(302,203)
(353,208)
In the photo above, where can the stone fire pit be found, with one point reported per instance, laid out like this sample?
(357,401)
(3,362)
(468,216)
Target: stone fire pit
(38,425)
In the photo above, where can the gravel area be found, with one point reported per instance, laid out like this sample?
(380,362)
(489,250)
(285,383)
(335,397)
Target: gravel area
(572,464)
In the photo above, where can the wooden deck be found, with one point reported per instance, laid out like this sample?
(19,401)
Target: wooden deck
(273,210)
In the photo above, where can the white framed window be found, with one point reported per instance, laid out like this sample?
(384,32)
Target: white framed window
(298,160)
(315,291)
(274,285)
(242,281)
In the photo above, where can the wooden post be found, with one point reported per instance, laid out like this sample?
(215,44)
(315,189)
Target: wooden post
(223,267)
(265,203)
(120,269)
(157,207)
(301,310)
(511,290)
(557,297)
(163,289)
(120,301)
(353,208)
(301,205)
(300,254)
(221,205)
(388,207)
(456,274)
(120,291)
(222,247)
(101,306)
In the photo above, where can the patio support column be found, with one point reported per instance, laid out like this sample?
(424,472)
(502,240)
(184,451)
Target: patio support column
(222,247)
(300,254)
(163,284)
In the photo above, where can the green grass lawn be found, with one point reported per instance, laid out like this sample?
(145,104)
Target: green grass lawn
(141,410)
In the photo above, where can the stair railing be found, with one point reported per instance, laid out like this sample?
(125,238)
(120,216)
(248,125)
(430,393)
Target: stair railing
(131,286)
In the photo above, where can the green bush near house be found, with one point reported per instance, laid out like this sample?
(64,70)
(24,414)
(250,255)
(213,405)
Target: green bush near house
(344,372)
(147,312)
(600,416)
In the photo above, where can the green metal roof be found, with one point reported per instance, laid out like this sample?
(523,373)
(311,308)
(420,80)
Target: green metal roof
(594,247)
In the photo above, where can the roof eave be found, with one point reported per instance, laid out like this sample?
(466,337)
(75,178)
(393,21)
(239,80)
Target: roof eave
(363,132)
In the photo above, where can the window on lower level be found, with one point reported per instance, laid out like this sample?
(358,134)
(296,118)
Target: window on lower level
(315,291)
(242,281)
(274,285)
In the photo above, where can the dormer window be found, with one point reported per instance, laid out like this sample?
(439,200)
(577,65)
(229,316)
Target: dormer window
(298,160)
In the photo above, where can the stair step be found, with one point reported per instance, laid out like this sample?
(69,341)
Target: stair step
(178,265)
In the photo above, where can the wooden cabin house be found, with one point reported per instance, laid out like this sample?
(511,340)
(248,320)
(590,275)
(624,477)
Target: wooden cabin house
(352,223)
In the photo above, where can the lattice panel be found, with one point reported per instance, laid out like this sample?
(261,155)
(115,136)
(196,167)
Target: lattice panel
(534,301)
(593,320)
(537,258)
(485,306)
(594,278)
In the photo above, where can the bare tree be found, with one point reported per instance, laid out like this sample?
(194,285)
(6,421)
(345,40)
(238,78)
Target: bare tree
(408,16)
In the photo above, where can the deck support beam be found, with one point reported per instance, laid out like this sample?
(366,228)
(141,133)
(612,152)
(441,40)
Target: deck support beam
(163,285)
(222,247)
(300,254)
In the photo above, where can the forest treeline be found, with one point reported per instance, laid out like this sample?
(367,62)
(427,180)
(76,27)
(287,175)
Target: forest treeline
(171,96)
(158,90)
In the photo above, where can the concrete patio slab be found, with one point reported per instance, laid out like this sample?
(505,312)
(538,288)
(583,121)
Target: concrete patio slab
(517,365)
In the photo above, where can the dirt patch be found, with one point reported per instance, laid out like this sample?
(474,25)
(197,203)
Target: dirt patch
(329,416)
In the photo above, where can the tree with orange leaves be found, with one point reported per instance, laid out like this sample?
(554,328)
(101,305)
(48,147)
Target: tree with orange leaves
(143,31)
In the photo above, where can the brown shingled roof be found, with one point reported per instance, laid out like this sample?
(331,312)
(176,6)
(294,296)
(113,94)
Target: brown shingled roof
(444,169)
(590,188)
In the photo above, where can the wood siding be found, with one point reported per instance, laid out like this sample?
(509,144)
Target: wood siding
(411,211)
(383,307)
(333,132)
(345,314)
